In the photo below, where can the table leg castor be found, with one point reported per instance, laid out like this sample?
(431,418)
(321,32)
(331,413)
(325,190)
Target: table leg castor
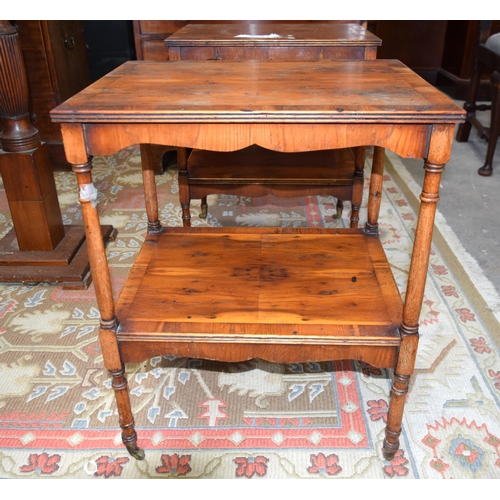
(390,449)
(135,451)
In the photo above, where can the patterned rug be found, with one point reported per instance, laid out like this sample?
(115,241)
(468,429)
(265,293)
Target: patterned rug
(198,419)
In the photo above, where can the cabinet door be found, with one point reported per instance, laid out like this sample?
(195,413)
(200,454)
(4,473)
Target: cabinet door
(67,55)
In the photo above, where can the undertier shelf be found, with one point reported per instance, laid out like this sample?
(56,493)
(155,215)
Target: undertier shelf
(237,293)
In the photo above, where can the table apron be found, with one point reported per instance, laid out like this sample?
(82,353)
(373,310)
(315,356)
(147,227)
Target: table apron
(407,140)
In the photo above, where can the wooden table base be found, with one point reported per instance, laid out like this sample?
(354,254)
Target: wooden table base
(67,264)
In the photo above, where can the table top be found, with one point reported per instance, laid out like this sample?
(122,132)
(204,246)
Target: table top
(357,91)
(273,35)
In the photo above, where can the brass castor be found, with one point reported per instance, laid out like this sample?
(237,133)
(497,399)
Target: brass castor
(389,450)
(340,209)
(136,452)
(204,210)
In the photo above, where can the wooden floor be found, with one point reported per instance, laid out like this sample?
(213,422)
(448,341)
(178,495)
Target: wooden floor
(260,286)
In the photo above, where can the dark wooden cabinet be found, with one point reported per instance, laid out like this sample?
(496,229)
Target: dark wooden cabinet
(55,56)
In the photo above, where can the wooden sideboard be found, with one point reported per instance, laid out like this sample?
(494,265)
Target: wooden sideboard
(149,36)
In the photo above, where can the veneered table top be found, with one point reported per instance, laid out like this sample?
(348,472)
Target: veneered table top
(357,91)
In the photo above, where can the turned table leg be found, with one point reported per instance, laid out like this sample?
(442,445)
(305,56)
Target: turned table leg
(184,196)
(375,194)
(104,294)
(415,288)
(204,208)
(357,188)
(115,367)
(151,197)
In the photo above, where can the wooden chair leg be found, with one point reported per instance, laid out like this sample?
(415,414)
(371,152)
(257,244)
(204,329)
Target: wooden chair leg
(204,208)
(148,177)
(487,168)
(375,196)
(357,188)
(340,209)
(184,195)
(483,31)
(470,106)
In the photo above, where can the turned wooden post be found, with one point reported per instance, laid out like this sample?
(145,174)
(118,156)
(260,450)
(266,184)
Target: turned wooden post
(357,188)
(182,158)
(375,194)
(483,31)
(24,162)
(439,151)
(487,168)
(104,295)
(151,197)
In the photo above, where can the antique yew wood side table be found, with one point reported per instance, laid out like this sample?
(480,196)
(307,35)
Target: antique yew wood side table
(283,295)
(260,172)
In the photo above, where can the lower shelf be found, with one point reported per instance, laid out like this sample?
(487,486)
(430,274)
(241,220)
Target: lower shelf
(280,294)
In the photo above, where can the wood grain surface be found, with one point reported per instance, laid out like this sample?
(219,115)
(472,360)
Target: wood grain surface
(261,281)
(286,34)
(360,91)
